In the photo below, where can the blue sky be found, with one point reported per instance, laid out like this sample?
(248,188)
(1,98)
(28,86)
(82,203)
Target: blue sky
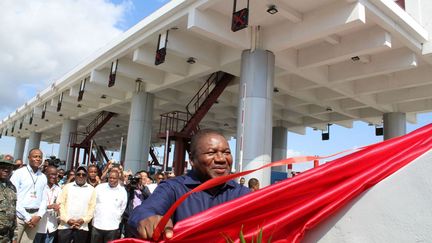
(115,17)
(138,10)
(46,39)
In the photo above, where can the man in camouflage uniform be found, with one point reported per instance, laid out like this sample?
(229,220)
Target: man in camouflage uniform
(7,199)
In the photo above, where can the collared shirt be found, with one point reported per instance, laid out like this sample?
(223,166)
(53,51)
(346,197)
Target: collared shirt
(110,205)
(48,222)
(76,202)
(168,191)
(152,187)
(30,188)
(139,196)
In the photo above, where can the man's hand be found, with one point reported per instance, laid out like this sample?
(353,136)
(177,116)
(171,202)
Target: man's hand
(78,224)
(54,206)
(29,224)
(71,222)
(109,164)
(147,226)
(33,221)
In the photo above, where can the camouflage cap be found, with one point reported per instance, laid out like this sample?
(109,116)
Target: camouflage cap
(6,159)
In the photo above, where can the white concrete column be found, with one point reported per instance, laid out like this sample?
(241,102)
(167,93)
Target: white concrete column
(19,148)
(255,121)
(123,152)
(279,146)
(34,142)
(139,131)
(394,124)
(65,153)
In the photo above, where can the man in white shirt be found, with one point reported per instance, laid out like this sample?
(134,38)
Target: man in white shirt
(77,205)
(30,183)
(47,226)
(111,201)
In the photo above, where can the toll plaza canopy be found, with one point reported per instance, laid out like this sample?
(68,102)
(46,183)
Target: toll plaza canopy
(335,61)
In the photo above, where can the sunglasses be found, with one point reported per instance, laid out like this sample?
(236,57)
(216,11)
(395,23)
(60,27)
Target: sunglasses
(81,174)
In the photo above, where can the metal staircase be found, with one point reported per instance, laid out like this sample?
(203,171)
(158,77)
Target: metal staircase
(180,126)
(94,126)
(83,140)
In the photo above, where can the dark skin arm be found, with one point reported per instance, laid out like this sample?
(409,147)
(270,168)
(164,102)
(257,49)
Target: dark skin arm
(54,206)
(78,223)
(71,222)
(33,221)
(146,227)
(75,223)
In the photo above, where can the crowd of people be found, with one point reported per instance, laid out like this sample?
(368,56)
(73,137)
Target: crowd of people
(40,202)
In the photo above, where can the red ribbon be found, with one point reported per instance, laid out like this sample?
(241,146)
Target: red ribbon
(287,210)
(222,179)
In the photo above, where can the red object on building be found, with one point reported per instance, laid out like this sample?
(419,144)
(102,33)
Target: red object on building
(401,3)
(316,163)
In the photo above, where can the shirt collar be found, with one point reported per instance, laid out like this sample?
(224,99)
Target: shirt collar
(193,181)
(29,168)
(75,184)
(53,187)
(113,188)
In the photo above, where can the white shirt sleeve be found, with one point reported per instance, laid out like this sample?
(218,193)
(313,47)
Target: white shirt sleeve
(44,203)
(124,200)
(20,210)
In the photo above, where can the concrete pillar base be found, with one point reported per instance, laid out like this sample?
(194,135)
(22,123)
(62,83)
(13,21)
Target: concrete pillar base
(139,132)
(279,147)
(34,142)
(19,148)
(65,153)
(394,124)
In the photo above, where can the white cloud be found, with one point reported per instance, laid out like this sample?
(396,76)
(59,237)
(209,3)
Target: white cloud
(41,40)
(293,153)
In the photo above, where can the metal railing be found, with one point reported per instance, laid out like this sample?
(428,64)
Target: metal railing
(173,121)
(74,137)
(98,119)
(202,93)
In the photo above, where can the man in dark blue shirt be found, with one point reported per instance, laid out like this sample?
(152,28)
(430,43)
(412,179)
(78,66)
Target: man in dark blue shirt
(210,157)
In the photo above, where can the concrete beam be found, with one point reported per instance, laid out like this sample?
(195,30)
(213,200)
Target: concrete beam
(388,62)
(132,70)
(405,95)
(215,25)
(333,39)
(399,80)
(364,42)
(415,106)
(317,24)
(145,55)
(122,83)
(205,53)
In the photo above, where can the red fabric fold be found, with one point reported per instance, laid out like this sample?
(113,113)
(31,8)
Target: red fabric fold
(286,210)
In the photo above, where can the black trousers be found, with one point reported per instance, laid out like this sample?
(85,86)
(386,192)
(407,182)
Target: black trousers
(103,236)
(71,235)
